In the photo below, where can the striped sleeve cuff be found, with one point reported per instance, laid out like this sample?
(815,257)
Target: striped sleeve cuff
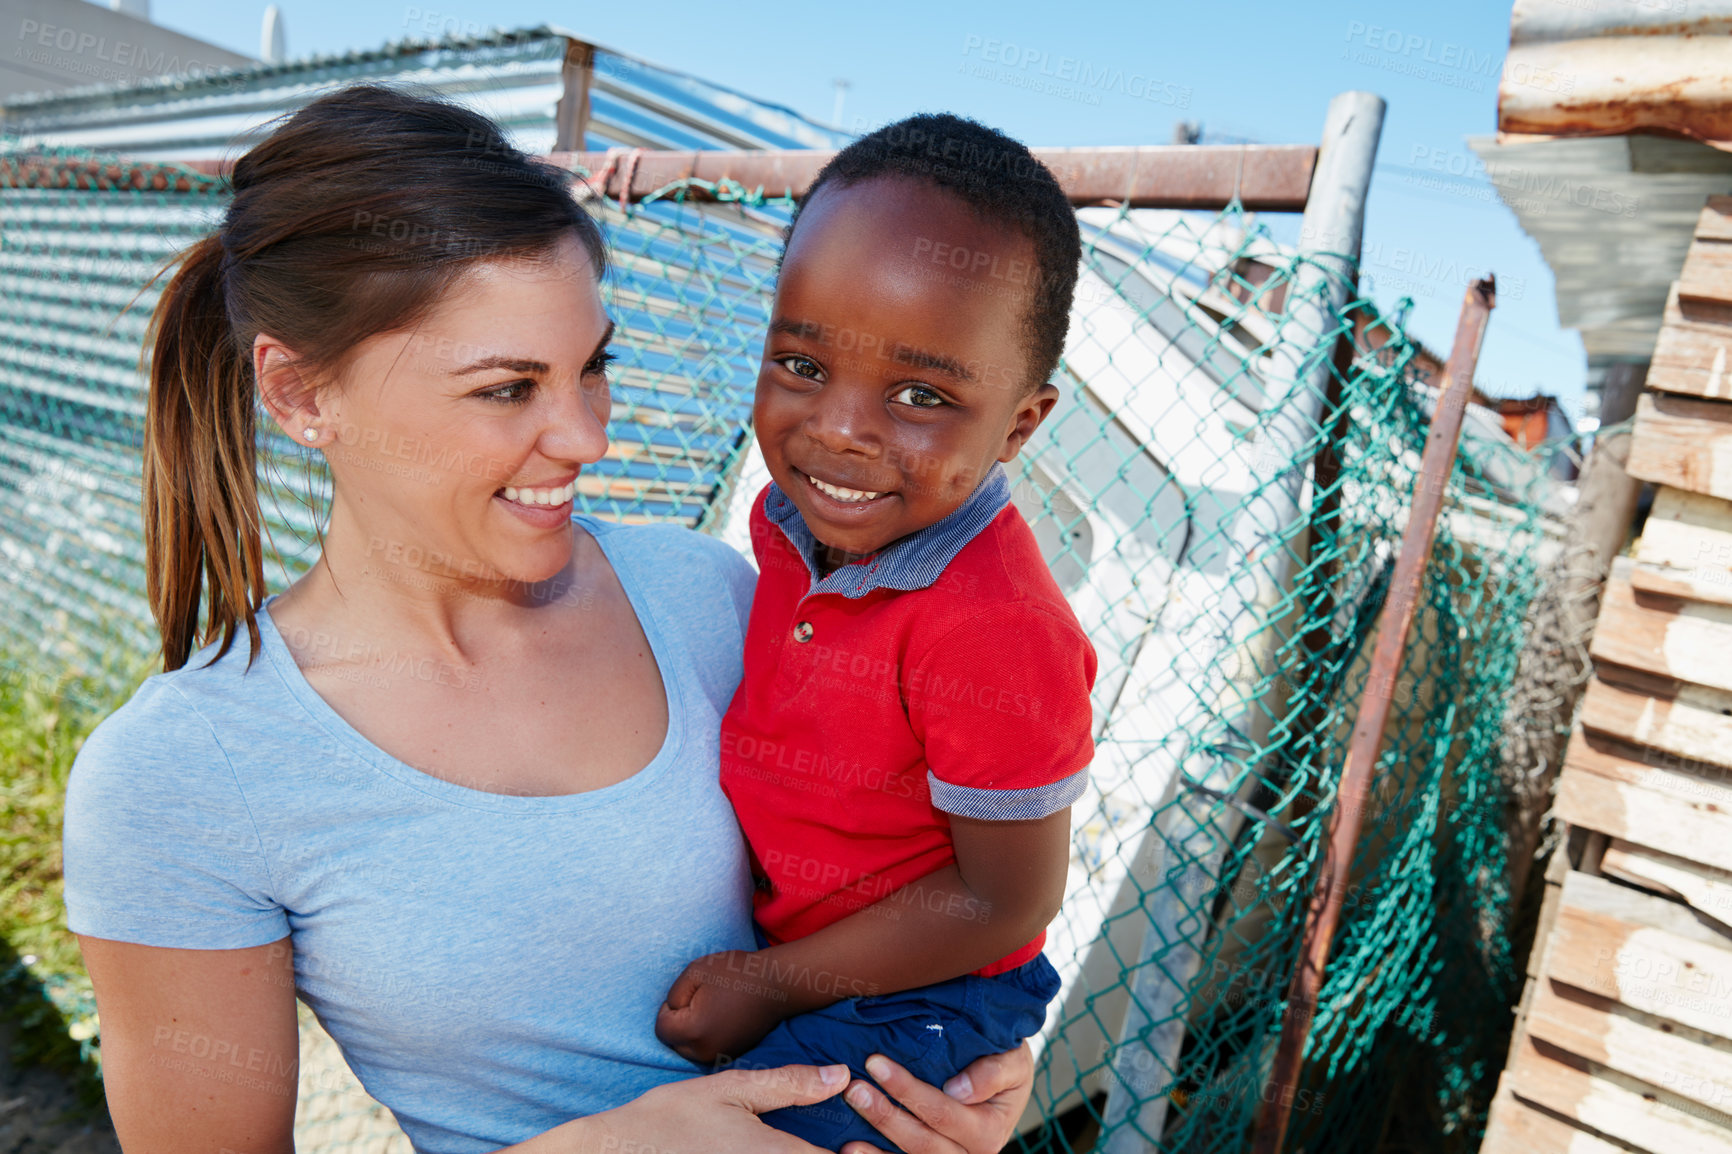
(1007,804)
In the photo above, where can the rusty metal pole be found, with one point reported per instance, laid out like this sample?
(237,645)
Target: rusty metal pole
(1323,911)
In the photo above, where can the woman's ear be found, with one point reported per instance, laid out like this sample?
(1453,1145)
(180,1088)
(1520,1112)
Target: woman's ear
(1030,412)
(289,396)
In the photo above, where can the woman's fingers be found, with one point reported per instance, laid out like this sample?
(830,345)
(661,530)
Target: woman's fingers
(763,1090)
(985,1078)
(932,1123)
(714,1113)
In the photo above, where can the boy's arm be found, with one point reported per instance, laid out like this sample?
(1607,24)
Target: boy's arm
(1004,889)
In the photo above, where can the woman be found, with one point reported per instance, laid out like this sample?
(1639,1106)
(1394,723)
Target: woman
(459,790)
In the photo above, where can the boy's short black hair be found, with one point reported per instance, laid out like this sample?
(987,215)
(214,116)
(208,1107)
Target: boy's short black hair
(1002,181)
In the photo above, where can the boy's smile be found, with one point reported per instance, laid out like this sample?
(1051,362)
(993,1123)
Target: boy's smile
(892,380)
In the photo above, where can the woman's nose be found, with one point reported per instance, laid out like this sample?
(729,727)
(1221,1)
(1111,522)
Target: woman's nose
(576,424)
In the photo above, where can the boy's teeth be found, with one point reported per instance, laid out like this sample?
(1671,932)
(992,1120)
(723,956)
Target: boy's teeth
(840,493)
(547,497)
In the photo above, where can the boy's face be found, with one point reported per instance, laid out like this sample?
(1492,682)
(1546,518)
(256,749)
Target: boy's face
(895,370)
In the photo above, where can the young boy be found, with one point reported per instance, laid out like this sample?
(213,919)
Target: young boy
(914,720)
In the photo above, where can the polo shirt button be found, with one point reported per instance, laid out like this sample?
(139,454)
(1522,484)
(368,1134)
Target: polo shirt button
(803,631)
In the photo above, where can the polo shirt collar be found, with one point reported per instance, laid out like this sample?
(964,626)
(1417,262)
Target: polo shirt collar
(914,562)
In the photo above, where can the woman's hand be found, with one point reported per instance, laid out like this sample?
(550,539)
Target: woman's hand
(976,1112)
(715,1114)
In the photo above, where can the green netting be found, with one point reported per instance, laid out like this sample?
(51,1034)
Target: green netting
(1212,375)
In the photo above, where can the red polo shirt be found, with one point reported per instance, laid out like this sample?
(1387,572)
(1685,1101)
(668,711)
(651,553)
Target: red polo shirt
(944,674)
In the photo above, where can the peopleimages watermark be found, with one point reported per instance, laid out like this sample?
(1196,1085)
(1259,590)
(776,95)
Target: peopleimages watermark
(448,25)
(1066,77)
(1527,190)
(1416,273)
(81,53)
(1444,61)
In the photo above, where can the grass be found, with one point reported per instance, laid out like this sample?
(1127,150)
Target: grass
(44,991)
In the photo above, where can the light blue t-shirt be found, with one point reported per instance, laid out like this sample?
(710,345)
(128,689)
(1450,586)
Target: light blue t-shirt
(490,964)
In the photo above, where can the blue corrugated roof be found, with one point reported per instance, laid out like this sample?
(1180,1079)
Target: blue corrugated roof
(689,294)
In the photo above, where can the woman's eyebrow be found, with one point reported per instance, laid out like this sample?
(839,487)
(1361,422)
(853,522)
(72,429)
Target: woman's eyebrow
(514,364)
(520,364)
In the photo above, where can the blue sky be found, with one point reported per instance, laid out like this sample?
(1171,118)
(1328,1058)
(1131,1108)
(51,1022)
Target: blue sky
(1260,70)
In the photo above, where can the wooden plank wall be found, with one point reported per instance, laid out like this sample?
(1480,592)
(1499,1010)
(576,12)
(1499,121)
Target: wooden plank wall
(1624,1036)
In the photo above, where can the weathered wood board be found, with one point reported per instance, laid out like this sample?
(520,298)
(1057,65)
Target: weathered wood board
(1670,636)
(1715,220)
(1686,547)
(1515,1127)
(1683,442)
(1644,953)
(1689,722)
(1707,272)
(1543,1077)
(1672,807)
(1691,1065)
(1693,354)
(1703,888)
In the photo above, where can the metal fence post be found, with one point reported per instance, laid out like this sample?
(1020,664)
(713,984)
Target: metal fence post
(1395,622)
(1330,234)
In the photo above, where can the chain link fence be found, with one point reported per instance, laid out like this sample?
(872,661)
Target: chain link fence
(1195,845)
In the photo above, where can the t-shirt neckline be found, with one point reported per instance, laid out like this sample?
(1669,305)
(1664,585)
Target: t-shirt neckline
(282,661)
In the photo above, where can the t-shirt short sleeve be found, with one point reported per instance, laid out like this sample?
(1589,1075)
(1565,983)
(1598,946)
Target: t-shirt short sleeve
(742,581)
(160,848)
(1001,704)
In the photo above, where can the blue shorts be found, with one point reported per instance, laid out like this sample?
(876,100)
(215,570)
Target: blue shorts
(933,1031)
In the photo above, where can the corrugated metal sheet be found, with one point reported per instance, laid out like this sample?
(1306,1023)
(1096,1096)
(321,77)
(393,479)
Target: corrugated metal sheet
(1609,67)
(517,78)
(689,295)
(1613,217)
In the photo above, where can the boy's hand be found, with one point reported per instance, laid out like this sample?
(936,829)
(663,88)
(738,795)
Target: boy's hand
(720,1005)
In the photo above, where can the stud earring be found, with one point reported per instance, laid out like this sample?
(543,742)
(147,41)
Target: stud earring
(311,434)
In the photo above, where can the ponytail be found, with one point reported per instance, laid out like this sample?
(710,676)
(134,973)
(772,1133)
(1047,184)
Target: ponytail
(201,505)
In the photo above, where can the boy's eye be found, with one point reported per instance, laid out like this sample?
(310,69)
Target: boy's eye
(919,396)
(802,366)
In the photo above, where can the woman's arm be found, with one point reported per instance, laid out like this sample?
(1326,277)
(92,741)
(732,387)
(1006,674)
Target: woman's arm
(201,1054)
(200,1051)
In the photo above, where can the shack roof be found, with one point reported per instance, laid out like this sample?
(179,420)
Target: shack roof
(520,78)
(1615,121)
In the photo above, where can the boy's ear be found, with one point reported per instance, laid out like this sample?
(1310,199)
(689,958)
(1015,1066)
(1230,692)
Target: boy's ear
(1030,412)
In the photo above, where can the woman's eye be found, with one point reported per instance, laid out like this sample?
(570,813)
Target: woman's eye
(802,366)
(512,392)
(919,396)
(599,363)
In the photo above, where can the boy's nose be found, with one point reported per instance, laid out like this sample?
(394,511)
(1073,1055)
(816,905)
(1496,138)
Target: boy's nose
(842,426)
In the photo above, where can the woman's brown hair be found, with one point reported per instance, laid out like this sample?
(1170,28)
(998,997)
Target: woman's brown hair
(348,221)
